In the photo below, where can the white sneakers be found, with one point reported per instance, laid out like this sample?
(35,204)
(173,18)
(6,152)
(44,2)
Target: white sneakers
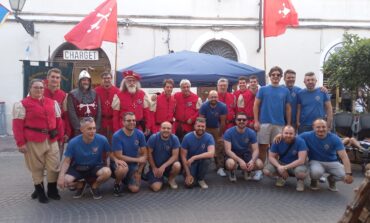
(258,175)
(221,172)
(300,185)
(203,184)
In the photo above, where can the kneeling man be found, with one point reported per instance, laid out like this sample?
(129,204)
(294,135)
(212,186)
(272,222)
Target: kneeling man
(197,148)
(84,160)
(287,158)
(241,149)
(324,148)
(163,157)
(129,155)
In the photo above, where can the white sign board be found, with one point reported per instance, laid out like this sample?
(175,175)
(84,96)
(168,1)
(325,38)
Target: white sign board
(80,55)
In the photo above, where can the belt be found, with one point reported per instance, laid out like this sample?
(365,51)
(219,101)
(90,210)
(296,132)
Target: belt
(44,131)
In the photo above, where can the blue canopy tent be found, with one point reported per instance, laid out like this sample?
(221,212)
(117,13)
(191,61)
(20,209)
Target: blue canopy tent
(201,69)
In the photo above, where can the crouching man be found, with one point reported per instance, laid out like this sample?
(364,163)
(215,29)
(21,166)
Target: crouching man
(287,158)
(197,148)
(84,160)
(241,149)
(163,154)
(324,149)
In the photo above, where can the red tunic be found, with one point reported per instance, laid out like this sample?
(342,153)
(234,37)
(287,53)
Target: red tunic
(186,108)
(106,98)
(248,98)
(59,96)
(164,110)
(229,100)
(131,103)
(39,114)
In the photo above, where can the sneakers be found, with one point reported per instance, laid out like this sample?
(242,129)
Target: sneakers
(280,182)
(258,175)
(80,191)
(314,185)
(247,176)
(117,190)
(173,184)
(202,184)
(332,184)
(95,193)
(221,172)
(322,179)
(300,185)
(232,176)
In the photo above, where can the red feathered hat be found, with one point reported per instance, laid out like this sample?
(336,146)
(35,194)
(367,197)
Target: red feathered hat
(130,73)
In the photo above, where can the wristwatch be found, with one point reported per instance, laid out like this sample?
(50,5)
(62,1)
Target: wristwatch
(349,174)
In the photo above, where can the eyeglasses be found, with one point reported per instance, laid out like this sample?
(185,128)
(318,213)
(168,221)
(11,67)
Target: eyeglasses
(38,88)
(130,120)
(241,119)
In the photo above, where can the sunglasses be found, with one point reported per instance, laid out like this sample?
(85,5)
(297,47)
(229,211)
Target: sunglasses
(241,119)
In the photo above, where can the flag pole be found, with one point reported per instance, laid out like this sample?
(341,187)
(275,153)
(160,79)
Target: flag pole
(264,59)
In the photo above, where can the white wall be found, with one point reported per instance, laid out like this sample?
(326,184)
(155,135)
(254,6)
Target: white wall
(300,49)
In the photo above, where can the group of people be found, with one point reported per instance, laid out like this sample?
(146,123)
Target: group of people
(125,134)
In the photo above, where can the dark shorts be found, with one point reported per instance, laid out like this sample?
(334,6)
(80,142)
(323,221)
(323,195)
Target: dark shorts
(84,172)
(129,179)
(246,156)
(152,179)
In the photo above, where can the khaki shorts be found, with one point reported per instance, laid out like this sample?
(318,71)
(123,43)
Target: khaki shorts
(292,172)
(267,133)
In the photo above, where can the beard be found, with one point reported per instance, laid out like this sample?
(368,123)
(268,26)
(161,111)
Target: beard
(131,90)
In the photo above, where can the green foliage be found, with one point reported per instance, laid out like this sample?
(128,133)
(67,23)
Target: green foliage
(350,66)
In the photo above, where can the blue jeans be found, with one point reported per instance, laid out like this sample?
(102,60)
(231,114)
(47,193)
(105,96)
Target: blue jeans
(199,169)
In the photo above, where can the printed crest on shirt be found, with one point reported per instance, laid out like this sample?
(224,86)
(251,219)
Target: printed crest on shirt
(294,152)
(293,94)
(94,150)
(246,140)
(203,146)
(139,101)
(189,104)
(317,98)
(326,146)
(136,142)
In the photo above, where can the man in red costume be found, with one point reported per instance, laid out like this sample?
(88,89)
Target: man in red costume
(186,111)
(131,98)
(83,102)
(106,92)
(37,126)
(228,99)
(164,106)
(245,101)
(52,90)
(243,82)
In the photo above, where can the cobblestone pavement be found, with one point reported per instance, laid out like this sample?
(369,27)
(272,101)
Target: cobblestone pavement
(222,202)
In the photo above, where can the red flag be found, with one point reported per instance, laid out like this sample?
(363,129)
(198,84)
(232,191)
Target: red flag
(100,25)
(278,14)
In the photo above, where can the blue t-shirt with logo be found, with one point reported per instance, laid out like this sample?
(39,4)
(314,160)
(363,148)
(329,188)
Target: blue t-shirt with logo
(240,142)
(212,115)
(84,154)
(162,149)
(312,105)
(195,145)
(273,102)
(280,148)
(293,101)
(324,150)
(129,145)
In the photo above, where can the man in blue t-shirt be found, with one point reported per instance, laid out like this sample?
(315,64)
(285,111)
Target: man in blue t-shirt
(163,154)
(215,113)
(197,148)
(289,79)
(312,103)
(287,158)
(324,148)
(272,112)
(84,160)
(129,155)
(241,149)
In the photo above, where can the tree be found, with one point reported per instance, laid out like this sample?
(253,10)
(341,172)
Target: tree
(349,68)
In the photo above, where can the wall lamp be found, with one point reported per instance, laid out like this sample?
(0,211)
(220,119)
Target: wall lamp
(17,6)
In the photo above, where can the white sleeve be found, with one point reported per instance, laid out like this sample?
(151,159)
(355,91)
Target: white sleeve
(19,112)
(58,112)
(116,103)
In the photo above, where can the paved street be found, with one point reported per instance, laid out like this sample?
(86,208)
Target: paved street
(222,202)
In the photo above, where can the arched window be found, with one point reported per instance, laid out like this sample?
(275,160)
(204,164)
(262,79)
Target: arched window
(221,48)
